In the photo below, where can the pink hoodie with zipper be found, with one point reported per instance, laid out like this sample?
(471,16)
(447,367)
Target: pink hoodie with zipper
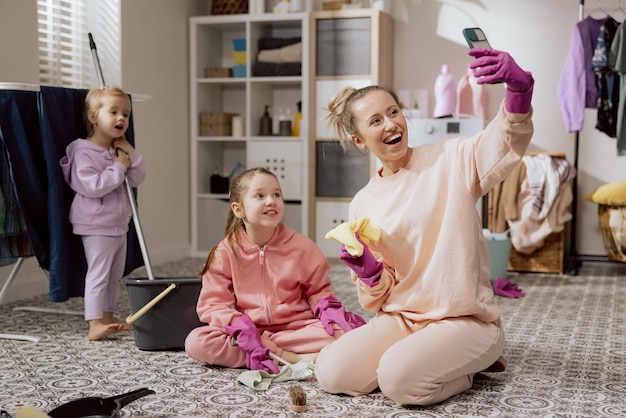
(278,286)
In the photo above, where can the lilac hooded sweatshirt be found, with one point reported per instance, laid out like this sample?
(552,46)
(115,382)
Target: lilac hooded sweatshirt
(100,205)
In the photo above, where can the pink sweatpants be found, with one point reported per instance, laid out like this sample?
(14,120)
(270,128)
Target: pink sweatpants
(412,366)
(212,345)
(106,259)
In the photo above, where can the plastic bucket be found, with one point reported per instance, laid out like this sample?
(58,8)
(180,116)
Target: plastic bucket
(499,251)
(166,325)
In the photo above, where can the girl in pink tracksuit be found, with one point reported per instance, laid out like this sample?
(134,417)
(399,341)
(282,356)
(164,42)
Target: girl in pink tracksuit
(265,287)
(95,168)
(437,322)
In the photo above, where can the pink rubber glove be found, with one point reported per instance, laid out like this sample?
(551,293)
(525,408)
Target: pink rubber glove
(249,341)
(492,66)
(329,310)
(365,266)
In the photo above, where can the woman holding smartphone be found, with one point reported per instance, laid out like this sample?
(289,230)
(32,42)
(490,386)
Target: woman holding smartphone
(437,322)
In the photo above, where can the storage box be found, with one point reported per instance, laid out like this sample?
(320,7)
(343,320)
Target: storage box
(216,130)
(239,44)
(343,46)
(218,72)
(239,70)
(239,57)
(166,325)
(499,251)
(227,7)
(216,124)
(215,118)
(334,4)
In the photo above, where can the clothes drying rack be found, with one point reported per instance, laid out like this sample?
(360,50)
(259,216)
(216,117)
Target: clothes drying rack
(574,259)
(20,260)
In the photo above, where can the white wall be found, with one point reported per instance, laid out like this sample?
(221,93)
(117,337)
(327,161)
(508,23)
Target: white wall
(154,62)
(537,34)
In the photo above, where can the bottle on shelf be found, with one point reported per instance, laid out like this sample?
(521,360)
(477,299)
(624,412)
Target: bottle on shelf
(284,122)
(295,129)
(266,123)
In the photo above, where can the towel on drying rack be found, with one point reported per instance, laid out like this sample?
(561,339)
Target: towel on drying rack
(14,240)
(37,126)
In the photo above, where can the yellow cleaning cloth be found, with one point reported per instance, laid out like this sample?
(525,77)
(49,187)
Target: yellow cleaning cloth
(30,412)
(344,233)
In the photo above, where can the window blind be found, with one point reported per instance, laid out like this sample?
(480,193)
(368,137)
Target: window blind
(65,57)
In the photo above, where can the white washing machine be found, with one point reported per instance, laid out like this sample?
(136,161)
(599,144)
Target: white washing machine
(429,131)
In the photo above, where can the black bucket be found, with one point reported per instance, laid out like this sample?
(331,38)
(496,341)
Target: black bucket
(166,325)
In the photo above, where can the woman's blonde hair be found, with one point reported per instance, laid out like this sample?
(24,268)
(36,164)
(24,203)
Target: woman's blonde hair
(237,188)
(340,113)
(94,102)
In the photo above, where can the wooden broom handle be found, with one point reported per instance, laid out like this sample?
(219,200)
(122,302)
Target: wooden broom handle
(132,318)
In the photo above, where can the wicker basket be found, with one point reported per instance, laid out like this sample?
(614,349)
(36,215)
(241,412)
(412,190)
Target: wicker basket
(334,5)
(550,258)
(229,7)
(612,221)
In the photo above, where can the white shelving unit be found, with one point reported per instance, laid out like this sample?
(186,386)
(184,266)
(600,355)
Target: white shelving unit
(347,48)
(211,46)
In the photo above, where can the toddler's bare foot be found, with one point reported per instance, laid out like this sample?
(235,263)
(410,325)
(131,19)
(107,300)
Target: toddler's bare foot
(125,325)
(99,330)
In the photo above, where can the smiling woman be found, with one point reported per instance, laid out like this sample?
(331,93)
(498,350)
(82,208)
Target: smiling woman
(427,278)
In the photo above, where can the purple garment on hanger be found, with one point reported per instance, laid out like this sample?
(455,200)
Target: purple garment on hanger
(577,87)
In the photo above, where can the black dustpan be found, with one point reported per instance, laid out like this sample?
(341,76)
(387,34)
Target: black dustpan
(94,407)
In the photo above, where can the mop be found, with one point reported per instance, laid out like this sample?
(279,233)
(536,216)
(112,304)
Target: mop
(129,189)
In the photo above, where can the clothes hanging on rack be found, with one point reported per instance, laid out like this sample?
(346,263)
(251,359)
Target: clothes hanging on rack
(37,127)
(607,79)
(14,240)
(577,88)
(617,60)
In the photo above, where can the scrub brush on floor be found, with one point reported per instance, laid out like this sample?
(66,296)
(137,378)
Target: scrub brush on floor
(297,399)
(299,371)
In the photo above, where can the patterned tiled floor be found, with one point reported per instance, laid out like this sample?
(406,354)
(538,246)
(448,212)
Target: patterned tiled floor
(566,348)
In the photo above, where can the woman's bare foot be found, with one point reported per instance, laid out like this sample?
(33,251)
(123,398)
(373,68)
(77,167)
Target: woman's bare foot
(98,329)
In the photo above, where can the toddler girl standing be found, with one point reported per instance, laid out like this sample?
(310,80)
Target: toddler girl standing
(95,169)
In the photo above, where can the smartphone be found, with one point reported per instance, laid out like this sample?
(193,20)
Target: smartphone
(476,38)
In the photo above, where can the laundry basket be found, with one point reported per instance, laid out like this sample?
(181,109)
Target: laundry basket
(612,221)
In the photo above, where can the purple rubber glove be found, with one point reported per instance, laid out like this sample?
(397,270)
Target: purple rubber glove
(249,340)
(492,66)
(329,310)
(365,266)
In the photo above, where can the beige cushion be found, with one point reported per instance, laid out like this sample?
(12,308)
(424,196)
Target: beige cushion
(609,194)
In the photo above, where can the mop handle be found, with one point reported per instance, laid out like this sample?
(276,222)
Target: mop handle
(96,60)
(132,318)
(129,189)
